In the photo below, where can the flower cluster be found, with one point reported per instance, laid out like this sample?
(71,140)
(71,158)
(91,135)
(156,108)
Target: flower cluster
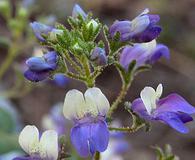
(130,47)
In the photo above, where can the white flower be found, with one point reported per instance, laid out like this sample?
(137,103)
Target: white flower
(149,97)
(46,147)
(77,105)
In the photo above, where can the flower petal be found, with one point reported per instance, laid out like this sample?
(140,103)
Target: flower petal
(80,139)
(36,76)
(37,64)
(39,29)
(99,136)
(96,101)
(74,105)
(78,10)
(149,34)
(148,96)
(173,120)
(139,108)
(49,145)
(160,51)
(51,59)
(24,158)
(174,103)
(29,139)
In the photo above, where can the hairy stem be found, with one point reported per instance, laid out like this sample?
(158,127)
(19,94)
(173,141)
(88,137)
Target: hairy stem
(97,155)
(127,129)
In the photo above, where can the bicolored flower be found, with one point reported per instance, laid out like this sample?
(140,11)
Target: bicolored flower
(172,110)
(141,29)
(99,56)
(39,29)
(144,53)
(55,119)
(43,148)
(90,132)
(39,68)
(77,10)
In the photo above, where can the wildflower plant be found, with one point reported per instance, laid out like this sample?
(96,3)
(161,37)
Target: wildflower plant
(82,51)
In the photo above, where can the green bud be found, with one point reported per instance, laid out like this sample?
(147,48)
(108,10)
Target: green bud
(92,23)
(5,8)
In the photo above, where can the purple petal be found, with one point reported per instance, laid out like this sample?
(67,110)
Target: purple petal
(184,117)
(160,51)
(174,103)
(90,137)
(78,10)
(133,53)
(51,59)
(61,80)
(123,27)
(139,108)
(100,135)
(99,56)
(79,138)
(39,29)
(154,18)
(37,64)
(152,32)
(36,76)
(173,120)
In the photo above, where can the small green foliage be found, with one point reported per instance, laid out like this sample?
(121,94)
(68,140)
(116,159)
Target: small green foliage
(166,154)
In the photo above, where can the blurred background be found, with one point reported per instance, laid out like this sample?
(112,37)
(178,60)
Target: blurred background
(30,102)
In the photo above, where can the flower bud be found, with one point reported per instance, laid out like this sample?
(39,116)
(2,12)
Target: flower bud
(93,23)
(99,56)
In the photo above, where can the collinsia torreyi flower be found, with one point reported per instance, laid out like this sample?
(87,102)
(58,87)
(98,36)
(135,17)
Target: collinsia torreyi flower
(39,68)
(143,53)
(141,29)
(99,56)
(55,120)
(39,29)
(44,147)
(90,132)
(172,110)
(77,10)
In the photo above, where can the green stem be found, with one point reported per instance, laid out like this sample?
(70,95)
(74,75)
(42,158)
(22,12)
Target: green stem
(7,62)
(97,156)
(73,63)
(127,129)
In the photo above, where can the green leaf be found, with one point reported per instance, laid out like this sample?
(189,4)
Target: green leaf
(6,121)
(8,142)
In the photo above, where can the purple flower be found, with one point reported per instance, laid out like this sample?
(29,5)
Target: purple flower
(141,29)
(60,80)
(77,10)
(90,132)
(144,53)
(172,110)
(39,29)
(99,56)
(39,68)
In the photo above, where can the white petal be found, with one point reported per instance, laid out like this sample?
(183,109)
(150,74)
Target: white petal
(29,139)
(159,91)
(148,96)
(74,104)
(146,11)
(49,145)
(139,24)
(96,101)
(149,47)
